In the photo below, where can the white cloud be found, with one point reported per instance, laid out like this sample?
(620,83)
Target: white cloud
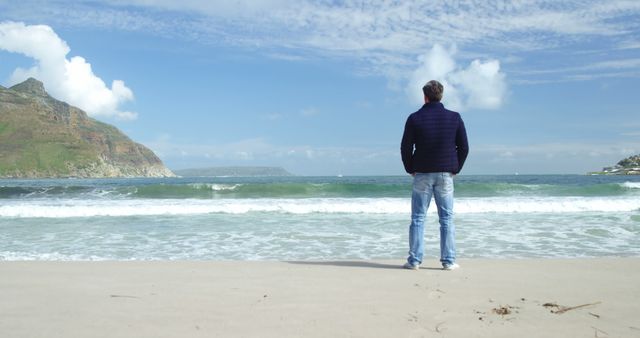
(536,158)
(568,157)
(309,112)
(480,85)
(389,28)
(71,80)
(385,37)
(300,159)
(214,8)
(273,116)
(558,150)
(630,44)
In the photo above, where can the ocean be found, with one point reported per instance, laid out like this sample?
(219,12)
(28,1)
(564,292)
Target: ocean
(313,218)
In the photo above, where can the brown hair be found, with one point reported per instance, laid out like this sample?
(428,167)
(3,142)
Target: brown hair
(433,91)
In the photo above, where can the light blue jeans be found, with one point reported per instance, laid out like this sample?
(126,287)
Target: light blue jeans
(440,186)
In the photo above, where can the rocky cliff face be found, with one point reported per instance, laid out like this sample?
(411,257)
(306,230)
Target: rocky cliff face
(43,137)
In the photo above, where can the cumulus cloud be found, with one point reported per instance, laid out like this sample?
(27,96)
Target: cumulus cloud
(479,85)
(71,80)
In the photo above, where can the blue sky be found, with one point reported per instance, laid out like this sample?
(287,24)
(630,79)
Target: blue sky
(324,87)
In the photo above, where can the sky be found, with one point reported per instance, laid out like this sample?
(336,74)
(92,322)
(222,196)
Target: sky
(325,87)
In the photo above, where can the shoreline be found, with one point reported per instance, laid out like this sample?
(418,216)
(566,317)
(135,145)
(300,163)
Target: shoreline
(576,297)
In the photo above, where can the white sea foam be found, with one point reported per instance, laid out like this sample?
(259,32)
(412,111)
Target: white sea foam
(224,187)
(548,205)
(150,207)
(630,185)
(33,256)
(313,237)
(215,187)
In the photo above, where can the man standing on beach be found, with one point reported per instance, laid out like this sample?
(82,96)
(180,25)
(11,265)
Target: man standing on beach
(434,148)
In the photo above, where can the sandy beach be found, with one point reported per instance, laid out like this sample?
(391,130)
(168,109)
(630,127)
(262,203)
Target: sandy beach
(485,298)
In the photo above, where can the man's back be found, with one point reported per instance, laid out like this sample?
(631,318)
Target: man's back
(440,140)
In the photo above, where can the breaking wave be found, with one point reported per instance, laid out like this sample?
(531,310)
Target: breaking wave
(150,207)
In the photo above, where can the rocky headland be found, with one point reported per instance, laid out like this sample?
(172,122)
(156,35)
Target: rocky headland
(41,137)
(628,166)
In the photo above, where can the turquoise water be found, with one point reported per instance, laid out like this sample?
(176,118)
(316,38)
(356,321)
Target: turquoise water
(312,218)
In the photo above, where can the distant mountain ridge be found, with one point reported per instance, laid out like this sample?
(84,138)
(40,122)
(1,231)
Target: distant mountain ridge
(627,166)
(41,137)
(233,171)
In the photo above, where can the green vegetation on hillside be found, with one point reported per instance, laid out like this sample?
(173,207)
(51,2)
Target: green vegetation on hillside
(44,137)
(627,166)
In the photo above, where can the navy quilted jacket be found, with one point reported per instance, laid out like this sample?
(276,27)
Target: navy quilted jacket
(434,140)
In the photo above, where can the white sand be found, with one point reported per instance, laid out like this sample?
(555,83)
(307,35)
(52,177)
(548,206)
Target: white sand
(319,299)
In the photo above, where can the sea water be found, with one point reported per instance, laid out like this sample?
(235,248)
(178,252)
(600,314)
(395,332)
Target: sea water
(312,218)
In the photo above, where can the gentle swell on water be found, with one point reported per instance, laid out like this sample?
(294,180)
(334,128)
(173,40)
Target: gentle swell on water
(211,191)
(510,189)
(309,190)
(271,190)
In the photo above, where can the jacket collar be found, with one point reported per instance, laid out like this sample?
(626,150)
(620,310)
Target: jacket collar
(432,105)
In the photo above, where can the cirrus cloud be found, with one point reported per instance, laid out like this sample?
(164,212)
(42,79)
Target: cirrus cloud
(71,80)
